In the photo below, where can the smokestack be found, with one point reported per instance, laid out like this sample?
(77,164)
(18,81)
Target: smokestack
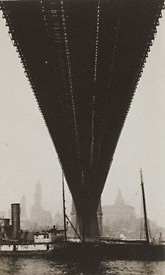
(15,218)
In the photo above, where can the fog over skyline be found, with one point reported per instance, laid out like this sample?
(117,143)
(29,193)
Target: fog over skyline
(27,154)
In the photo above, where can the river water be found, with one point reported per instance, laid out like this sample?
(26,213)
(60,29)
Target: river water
(35,266)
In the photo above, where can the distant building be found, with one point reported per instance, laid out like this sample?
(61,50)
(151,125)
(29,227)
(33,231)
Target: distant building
(23,216)
(119,218)
(2,214)
(39,218)
(23,208)
(119,213)
(59,220)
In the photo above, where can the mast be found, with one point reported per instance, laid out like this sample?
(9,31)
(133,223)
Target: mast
(73,228)
(144,207)
(64,208)
(83,219)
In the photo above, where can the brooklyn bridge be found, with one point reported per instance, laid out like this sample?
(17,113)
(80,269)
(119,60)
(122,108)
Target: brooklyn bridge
(83,60)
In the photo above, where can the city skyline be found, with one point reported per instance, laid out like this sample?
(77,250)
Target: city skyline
(37,216)
(115,220)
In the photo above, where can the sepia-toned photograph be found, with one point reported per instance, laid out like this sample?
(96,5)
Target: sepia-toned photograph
(82,137)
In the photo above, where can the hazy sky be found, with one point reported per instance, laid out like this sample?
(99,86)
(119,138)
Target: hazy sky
(28,155)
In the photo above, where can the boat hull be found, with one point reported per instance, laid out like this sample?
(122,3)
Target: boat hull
(75,251)
(111,251)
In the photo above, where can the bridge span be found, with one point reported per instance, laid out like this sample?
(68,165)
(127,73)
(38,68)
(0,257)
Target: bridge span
(83,60)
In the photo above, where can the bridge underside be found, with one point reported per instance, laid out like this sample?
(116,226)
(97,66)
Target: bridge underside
(83,60)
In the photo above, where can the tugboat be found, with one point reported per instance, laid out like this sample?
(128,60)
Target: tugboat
(15,242)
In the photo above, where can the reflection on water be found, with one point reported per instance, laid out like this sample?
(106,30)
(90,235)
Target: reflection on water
(24,266)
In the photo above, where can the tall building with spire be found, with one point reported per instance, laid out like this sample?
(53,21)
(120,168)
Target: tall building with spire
(39,218)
